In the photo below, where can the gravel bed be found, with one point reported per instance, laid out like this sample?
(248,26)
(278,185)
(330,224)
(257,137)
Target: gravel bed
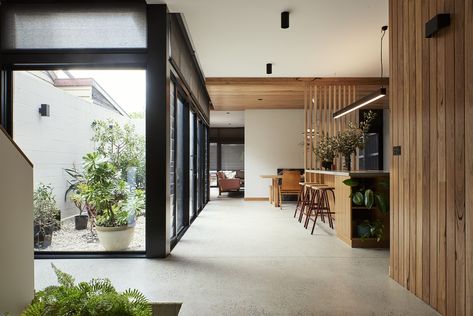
(70,239)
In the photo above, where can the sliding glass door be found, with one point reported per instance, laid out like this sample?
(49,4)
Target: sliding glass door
(182,117)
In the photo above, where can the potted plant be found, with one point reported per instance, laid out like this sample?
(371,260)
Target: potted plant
(326,150)
(364,194)
(96,297)
(76,178)
(371,229)
(110,196)
(45,213)
(353,137)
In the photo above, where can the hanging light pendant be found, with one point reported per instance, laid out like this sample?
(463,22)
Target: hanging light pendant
(378,94)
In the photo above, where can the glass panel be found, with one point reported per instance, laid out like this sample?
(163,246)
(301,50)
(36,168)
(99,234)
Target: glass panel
(213,164)
(192,169)
(233,157)
(172,159)
(41,26)
(85,134)
(180,176)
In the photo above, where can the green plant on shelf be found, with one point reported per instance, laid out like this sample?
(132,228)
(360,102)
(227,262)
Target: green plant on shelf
(368,195)
(371,229)
(97,297)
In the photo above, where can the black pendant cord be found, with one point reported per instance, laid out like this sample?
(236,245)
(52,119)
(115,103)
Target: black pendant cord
(383,31)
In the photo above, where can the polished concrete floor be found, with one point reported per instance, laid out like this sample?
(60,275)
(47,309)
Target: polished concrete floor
(248,258)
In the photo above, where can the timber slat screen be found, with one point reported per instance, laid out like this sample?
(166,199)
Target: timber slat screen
(432,180)
(322,98)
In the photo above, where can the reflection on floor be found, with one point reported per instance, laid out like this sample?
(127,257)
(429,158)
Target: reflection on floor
(248,258)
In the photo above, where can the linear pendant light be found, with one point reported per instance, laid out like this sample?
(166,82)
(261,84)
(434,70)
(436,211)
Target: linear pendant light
(378,94)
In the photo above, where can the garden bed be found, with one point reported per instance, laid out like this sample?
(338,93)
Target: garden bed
(70,239)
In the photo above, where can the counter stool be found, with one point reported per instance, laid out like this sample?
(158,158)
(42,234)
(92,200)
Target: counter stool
(321,207)
(303,199)
(313,200)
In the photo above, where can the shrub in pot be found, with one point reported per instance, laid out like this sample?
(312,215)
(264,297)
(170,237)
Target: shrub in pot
(45,214)
(114,203)
(77,178)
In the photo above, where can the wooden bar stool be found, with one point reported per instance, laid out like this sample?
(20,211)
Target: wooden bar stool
(313,200)
(321,207)
(304,198)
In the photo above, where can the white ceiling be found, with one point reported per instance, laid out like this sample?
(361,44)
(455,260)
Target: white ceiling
(227,118)
(236,38)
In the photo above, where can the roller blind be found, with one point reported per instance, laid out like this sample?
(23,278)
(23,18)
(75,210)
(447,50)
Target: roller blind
(233,156)
(70,26)
(213,156)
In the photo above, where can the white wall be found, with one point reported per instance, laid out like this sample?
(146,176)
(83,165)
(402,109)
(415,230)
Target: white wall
(273,139)
(59,141)
(16,230)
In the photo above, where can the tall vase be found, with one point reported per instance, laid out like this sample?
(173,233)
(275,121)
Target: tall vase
(347,162)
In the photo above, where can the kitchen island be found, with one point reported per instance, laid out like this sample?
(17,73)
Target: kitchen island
(348,215)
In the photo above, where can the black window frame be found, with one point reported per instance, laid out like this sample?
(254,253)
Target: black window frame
(154,59)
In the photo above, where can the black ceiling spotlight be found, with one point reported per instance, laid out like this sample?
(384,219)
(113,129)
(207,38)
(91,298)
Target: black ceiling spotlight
(44,110)
(269,68)
(285,20)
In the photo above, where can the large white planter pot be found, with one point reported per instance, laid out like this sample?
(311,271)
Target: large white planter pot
(115,238)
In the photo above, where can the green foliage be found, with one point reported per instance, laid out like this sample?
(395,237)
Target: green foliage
(375,230)
(45,210)
(348,140)
(351,182)
(382,203)
(137,115)
(326,147)
(95,298)
(104,190)
(122,145)
(358,198)
(76,178)
(369,198)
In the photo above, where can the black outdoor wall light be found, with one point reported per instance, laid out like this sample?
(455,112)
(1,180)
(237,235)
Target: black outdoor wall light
(44,110)
(269,68)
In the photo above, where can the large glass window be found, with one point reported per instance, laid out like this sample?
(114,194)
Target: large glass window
(84,131)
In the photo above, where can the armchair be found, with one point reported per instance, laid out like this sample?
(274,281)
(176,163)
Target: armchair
(225,184)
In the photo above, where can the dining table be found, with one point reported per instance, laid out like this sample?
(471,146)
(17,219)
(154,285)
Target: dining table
(273,188)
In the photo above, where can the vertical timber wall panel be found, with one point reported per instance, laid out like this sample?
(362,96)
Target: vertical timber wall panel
(431,103)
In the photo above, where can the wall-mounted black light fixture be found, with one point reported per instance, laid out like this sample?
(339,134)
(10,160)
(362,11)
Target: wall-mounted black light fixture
(437,23)
(269,68)
(44,110)
(285,20)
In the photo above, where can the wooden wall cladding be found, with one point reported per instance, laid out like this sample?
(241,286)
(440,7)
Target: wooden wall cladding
(322,98)
(431,103)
